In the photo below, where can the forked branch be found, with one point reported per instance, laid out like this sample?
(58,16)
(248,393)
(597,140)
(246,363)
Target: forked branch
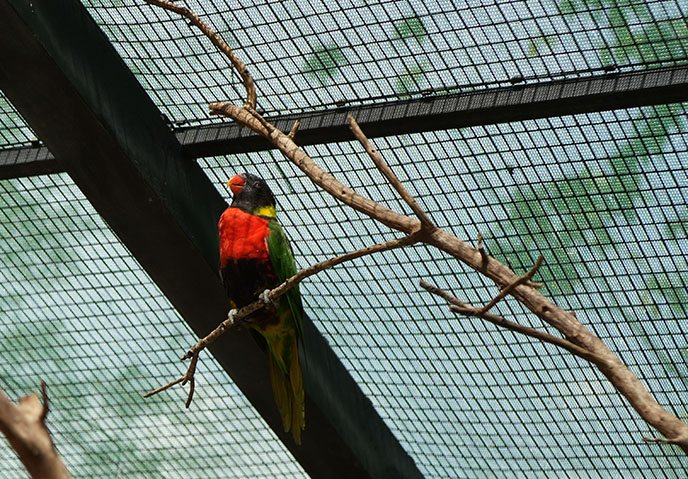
(460,307)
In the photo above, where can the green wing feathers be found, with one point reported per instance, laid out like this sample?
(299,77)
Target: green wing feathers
(284,338)
(282,259)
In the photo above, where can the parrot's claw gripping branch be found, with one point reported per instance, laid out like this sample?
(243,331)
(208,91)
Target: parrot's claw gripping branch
(265,298)
(231,315)
(579,340)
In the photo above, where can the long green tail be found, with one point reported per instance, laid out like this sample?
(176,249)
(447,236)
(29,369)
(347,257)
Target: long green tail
(288,391)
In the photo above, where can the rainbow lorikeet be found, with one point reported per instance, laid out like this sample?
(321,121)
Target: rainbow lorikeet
(255,255)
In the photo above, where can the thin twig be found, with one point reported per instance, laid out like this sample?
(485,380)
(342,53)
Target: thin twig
(190,378)
(513,284)
(294,129)
(656,439)
(663,440)
(389,174)
(192,388)
(483,254)
(239,66)
(163,388)
(460,307)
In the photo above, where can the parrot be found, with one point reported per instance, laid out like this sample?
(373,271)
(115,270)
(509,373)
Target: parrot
(255,255)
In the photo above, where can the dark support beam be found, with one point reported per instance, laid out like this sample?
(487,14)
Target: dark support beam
(66,80)
(523,101)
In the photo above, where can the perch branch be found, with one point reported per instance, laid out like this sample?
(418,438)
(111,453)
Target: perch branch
(280,290)
(23,424)
(239,317)
(564,321)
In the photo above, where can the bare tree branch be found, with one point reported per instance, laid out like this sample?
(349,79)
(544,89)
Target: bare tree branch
(23,424)
(565,322)
(221,45)
(467,310)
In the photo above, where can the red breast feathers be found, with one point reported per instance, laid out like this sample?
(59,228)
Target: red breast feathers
(242,236)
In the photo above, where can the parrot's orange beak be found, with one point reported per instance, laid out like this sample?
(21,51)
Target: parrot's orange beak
(236,183)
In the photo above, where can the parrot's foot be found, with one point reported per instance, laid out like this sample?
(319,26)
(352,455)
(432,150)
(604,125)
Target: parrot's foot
(231,314)
(264,297)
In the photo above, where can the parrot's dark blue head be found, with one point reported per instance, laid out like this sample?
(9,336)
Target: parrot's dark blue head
(252,195)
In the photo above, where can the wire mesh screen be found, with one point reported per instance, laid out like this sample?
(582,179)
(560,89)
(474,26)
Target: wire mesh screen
(602,196)
(80,313)
(14,132)
(314,54)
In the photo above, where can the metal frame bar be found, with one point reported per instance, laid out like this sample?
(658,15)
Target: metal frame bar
(118,150)
(28,161)
(481,107)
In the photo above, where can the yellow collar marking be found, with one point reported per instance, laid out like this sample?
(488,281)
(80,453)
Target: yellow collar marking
(268,211)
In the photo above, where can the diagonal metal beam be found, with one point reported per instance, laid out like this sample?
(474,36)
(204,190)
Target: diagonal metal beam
(61,73)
